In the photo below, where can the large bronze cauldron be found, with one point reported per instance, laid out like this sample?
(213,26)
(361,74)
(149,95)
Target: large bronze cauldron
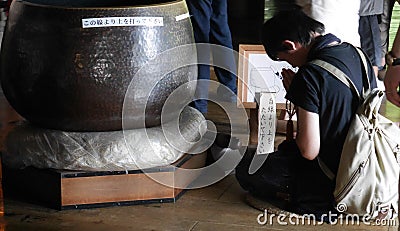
(66,64)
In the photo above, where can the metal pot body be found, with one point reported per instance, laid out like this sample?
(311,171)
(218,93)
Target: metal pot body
(68,68)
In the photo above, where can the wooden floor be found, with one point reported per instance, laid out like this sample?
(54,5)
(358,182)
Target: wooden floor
(220,206)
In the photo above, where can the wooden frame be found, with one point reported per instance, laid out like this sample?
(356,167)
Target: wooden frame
(253,59)
(262,62)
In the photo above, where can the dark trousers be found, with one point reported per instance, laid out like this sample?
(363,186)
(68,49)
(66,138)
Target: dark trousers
(274,177)
(284,173)
(210,26)
(371,38)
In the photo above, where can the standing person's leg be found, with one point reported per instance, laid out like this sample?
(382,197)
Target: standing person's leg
(220,35)
(370,39)
(384,27)
(200,11)
(377,42)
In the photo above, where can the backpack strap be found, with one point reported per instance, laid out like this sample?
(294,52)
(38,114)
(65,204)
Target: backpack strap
(325,169)
(365,65)
(342,77)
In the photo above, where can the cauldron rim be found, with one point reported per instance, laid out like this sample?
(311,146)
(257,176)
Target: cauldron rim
(124,7)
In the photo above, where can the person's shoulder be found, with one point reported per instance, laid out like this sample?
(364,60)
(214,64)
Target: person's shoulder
(344,46)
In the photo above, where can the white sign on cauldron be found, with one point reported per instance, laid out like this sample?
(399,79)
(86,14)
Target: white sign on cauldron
(122,21)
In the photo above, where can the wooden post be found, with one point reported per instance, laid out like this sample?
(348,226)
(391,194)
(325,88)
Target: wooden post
(253,126)
(1,193)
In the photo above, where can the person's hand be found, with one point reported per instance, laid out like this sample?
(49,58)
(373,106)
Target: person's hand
(392,82)
(287,77)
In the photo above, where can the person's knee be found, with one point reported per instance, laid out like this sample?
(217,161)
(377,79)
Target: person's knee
(242,168)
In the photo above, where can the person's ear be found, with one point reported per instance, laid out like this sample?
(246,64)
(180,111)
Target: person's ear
(289,45)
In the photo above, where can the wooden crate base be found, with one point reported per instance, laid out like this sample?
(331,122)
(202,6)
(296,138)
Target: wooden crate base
(73,190)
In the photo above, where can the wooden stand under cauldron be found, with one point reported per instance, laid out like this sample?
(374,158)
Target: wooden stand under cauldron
(60,190)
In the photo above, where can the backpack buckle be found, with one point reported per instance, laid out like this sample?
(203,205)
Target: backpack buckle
(397,153)
(384,211)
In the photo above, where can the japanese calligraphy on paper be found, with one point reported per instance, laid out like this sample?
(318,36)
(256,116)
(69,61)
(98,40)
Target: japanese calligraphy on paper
(122,21)
(266,123)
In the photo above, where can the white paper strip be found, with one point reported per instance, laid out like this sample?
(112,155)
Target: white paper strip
(266,123)
(182,16)
(122,21)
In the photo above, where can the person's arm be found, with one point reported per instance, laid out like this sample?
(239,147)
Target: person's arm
(308,138)
(392,77)
(307,135)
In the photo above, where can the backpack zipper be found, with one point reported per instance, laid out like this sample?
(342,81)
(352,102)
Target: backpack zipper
(353,179)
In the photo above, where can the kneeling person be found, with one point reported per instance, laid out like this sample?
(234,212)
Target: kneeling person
(325,107)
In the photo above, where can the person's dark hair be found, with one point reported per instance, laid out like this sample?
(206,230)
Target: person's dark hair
(293,25)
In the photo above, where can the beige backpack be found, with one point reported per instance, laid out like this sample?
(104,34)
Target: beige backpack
(368,175)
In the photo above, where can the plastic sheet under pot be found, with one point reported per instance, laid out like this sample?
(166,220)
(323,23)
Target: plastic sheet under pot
(27,145)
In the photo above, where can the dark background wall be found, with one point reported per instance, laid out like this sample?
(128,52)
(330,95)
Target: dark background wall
(245,20)
(247,16)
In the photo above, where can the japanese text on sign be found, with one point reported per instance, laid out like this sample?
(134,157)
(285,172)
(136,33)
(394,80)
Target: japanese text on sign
(266,123)
(122,21)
